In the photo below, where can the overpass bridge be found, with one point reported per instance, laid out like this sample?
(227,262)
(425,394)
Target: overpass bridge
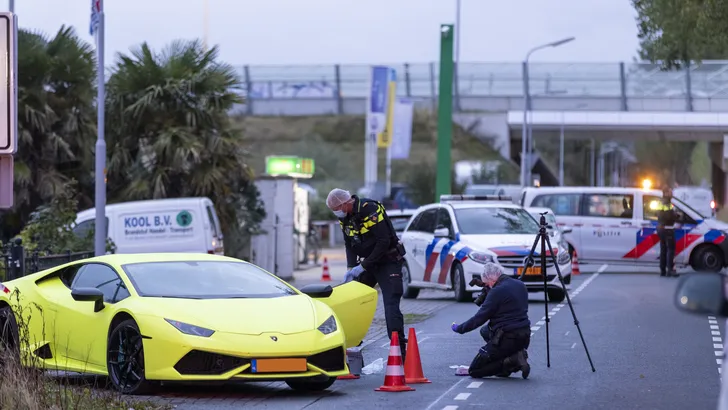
(602,102)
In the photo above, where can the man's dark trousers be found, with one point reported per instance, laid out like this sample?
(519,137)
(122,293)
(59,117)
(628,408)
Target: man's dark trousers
(388,275)
(489,360)
(667,251)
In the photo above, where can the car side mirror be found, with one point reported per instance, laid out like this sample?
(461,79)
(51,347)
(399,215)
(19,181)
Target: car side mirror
(567,230)
(317,290)
(442,233)
(89,295)
(702,293)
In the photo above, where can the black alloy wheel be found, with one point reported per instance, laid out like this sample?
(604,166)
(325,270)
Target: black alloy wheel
(125,359)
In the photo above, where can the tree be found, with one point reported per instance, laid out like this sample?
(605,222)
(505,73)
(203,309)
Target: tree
(170,134)
(674,32)
(56,120)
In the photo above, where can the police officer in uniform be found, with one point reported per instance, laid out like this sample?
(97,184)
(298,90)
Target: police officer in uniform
(666,219)
(504,305)
(374,254)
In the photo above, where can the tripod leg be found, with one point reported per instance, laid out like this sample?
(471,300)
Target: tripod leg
(544,237)
(529,260)
(568,300)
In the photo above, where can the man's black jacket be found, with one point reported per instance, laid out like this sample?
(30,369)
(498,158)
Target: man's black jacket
(506,306)
(368,220)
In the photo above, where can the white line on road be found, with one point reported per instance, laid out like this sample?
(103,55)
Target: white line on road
(717,342)
(554,310)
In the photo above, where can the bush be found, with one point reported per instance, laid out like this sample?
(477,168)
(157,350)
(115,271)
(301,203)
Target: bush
(25,383)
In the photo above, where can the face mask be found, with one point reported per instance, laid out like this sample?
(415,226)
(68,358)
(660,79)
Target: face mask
(340,214)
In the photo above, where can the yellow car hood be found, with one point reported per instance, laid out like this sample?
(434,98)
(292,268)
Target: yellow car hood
(287,314)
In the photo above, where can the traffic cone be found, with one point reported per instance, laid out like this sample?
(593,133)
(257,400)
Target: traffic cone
(394,376)
(325,276)
(575,265)
(412,364)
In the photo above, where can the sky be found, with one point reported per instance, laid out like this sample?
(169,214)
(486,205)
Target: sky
(292,32)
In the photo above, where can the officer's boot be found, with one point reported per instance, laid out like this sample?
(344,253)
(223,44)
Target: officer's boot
(509,366)
(403,348)
(522,363)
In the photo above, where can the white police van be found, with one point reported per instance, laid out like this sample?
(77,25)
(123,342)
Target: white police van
(160,225)
(618,225)
(448,243)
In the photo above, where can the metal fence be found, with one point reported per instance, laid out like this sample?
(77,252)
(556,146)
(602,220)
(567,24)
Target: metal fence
(706,80)
(14,263)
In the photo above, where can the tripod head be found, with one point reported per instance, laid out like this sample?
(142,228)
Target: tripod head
(542,223)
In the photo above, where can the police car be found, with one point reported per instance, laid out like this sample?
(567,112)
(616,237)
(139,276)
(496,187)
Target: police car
(449,242)
(618,225)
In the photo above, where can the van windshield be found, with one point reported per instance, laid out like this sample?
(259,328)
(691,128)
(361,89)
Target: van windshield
(688,207)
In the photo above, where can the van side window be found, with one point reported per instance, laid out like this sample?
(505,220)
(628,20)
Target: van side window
(562,204)
(213,225)
(649,207)
(610,205)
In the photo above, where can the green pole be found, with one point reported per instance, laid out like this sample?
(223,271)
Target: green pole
(444,113)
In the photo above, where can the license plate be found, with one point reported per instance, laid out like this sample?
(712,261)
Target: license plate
(278,365)
(533,270)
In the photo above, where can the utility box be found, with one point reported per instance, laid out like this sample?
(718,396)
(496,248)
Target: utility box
(279,249)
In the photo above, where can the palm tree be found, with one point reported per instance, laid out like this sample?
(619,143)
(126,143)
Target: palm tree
(56,119)
(169,130)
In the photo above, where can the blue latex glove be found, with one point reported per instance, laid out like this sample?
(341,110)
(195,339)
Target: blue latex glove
(353,273)
(454,327)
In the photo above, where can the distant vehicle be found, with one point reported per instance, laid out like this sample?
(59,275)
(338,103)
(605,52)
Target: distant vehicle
(160,225)
(555,231)
(700,199)
(514,191)
(448,243)
(400,218)
(618,225)
(144,318)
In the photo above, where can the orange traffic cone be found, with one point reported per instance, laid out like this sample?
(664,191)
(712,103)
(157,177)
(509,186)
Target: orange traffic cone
(325,276)
(412,364)
(394,376)
(575,265)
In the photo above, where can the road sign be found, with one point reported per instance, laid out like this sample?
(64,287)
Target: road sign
(6,181)
(9,88)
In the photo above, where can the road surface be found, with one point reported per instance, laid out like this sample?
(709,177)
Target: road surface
(647,355)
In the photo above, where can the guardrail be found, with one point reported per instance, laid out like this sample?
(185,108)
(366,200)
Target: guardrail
(14,263)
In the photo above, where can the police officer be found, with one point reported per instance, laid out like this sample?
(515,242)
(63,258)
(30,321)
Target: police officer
(508,333)
(374,254)
(666,219)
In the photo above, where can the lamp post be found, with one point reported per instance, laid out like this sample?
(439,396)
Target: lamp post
(525,135)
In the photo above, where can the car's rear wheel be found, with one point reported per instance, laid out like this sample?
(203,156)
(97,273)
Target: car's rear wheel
(125,359)
(316,383)
(9,338)
(458,284)
(408,292)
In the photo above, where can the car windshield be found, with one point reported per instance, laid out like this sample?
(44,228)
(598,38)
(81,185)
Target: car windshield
(495,221)
(550,218)
(686,206)
(204,280)
(400,222)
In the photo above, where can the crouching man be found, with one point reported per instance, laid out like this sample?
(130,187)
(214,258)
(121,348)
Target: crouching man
(508,333)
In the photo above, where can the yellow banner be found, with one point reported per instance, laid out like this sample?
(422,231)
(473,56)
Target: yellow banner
(384,139)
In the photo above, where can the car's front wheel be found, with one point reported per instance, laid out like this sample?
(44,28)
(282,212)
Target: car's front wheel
(458,284)
(125,359)
(408,292)
(317,383)
(556,295)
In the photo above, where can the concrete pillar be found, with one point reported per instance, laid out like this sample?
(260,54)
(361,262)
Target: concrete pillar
(718,177)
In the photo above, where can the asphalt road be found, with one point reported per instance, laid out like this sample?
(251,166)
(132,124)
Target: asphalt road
(647,354)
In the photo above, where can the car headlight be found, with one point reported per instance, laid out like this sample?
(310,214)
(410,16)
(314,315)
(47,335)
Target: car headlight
(329,326)
(480,257)
(189,329)
(563,257)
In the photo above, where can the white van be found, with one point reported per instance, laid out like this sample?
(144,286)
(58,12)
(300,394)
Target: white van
(699,198)
(618,226)
(160,225)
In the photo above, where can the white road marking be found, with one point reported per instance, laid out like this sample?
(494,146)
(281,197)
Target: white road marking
(554,310)
(462,396)
(717,342)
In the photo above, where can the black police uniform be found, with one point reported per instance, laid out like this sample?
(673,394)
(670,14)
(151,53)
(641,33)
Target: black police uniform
(507,335)
(666,219)
(369,235)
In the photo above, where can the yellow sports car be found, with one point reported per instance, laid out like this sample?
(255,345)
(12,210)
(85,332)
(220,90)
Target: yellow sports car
(145,318)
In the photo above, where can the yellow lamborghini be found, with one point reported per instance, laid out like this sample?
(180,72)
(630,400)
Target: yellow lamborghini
(145,318)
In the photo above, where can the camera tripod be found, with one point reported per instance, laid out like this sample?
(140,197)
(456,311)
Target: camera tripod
(543,236)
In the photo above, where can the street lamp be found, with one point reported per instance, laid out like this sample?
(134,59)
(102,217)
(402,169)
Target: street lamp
(525,132)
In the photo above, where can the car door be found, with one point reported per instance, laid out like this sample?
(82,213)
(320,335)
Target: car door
(84,332)
(440,265)
(354,305)
(609,227)
(420,238)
